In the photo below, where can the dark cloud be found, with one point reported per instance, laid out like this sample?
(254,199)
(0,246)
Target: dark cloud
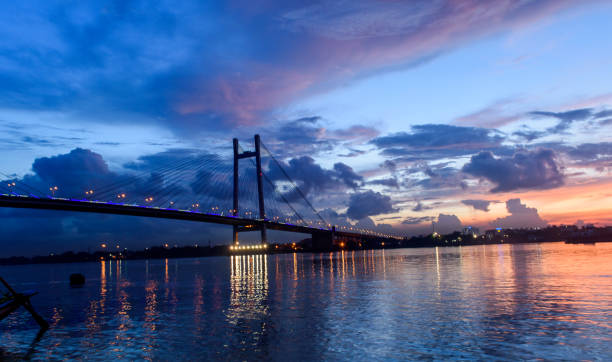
(389,182)
(447,224)
(529,135)
(605,122)
(524,170)
(309,135)
(603,114)
(314,179)
(420,207)
(478,204)
(592,154)
(389,165)
(352,153)
(520,216)
(439,178)
(368,203)
(415,220)
(298,137)
(565,118)
(346,174)
(591,151)
(435,141)
(73,173)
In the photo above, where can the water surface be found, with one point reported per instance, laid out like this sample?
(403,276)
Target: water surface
(551,301)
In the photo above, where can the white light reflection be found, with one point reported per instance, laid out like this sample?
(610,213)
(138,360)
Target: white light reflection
(249,288)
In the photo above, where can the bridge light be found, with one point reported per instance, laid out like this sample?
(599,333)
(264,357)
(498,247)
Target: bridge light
(103,245)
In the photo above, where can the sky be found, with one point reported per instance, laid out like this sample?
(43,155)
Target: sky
(390,115)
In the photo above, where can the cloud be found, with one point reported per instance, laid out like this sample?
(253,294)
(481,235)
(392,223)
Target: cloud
(434,141)
(524,170)
(312,178)
(447,224)
(592,154)
(440,177)
(529,135)
(520,216)
(368,203)
(309,135)
(478,204)
(301,136)
(356,132)
(389,182)
(495,115)
(415,220)
(346,174)
(565,118)
(229,65)
(74,172)
(603,114)
(420,207)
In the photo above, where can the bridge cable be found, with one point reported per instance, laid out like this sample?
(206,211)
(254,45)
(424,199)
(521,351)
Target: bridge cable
(293,182)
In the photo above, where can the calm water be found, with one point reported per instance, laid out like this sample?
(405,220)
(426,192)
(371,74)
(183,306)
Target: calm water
(551,301)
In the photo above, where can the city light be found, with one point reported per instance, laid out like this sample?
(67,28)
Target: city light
(248,247)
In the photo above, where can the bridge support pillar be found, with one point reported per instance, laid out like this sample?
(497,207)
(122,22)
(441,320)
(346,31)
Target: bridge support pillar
(262,209)
(235,204)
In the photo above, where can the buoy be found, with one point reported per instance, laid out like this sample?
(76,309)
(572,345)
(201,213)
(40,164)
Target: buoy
(77,279)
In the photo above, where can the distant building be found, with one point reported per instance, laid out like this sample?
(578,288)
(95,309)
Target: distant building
(471,231)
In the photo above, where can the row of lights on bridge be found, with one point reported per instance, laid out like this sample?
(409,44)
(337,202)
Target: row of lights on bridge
(249,247)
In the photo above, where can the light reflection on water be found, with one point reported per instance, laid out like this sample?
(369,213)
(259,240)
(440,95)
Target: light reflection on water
(527,301)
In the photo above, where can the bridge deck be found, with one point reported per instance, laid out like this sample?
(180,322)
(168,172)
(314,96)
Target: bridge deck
(44,203)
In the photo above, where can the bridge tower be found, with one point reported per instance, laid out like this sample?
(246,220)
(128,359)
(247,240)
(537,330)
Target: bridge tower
(262,210)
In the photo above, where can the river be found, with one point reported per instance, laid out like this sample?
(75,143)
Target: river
(524,301)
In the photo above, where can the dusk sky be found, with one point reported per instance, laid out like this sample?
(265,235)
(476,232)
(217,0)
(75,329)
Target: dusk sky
(389,114)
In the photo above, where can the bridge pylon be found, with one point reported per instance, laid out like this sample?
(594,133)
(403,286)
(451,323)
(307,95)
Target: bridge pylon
(262,211)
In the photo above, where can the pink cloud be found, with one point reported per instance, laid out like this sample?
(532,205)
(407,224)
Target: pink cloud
(322,45)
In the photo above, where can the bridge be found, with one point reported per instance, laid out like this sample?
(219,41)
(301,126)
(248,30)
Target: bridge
(162,194)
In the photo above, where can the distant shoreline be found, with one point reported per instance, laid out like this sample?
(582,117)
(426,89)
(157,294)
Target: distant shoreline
(184,252)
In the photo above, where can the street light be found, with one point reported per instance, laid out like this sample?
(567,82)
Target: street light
(53,189)
(121,196)
(11,185)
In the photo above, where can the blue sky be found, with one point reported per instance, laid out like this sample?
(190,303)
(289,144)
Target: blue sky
(425,102)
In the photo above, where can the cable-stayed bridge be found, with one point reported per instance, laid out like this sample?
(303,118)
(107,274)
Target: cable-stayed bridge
(256,194)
